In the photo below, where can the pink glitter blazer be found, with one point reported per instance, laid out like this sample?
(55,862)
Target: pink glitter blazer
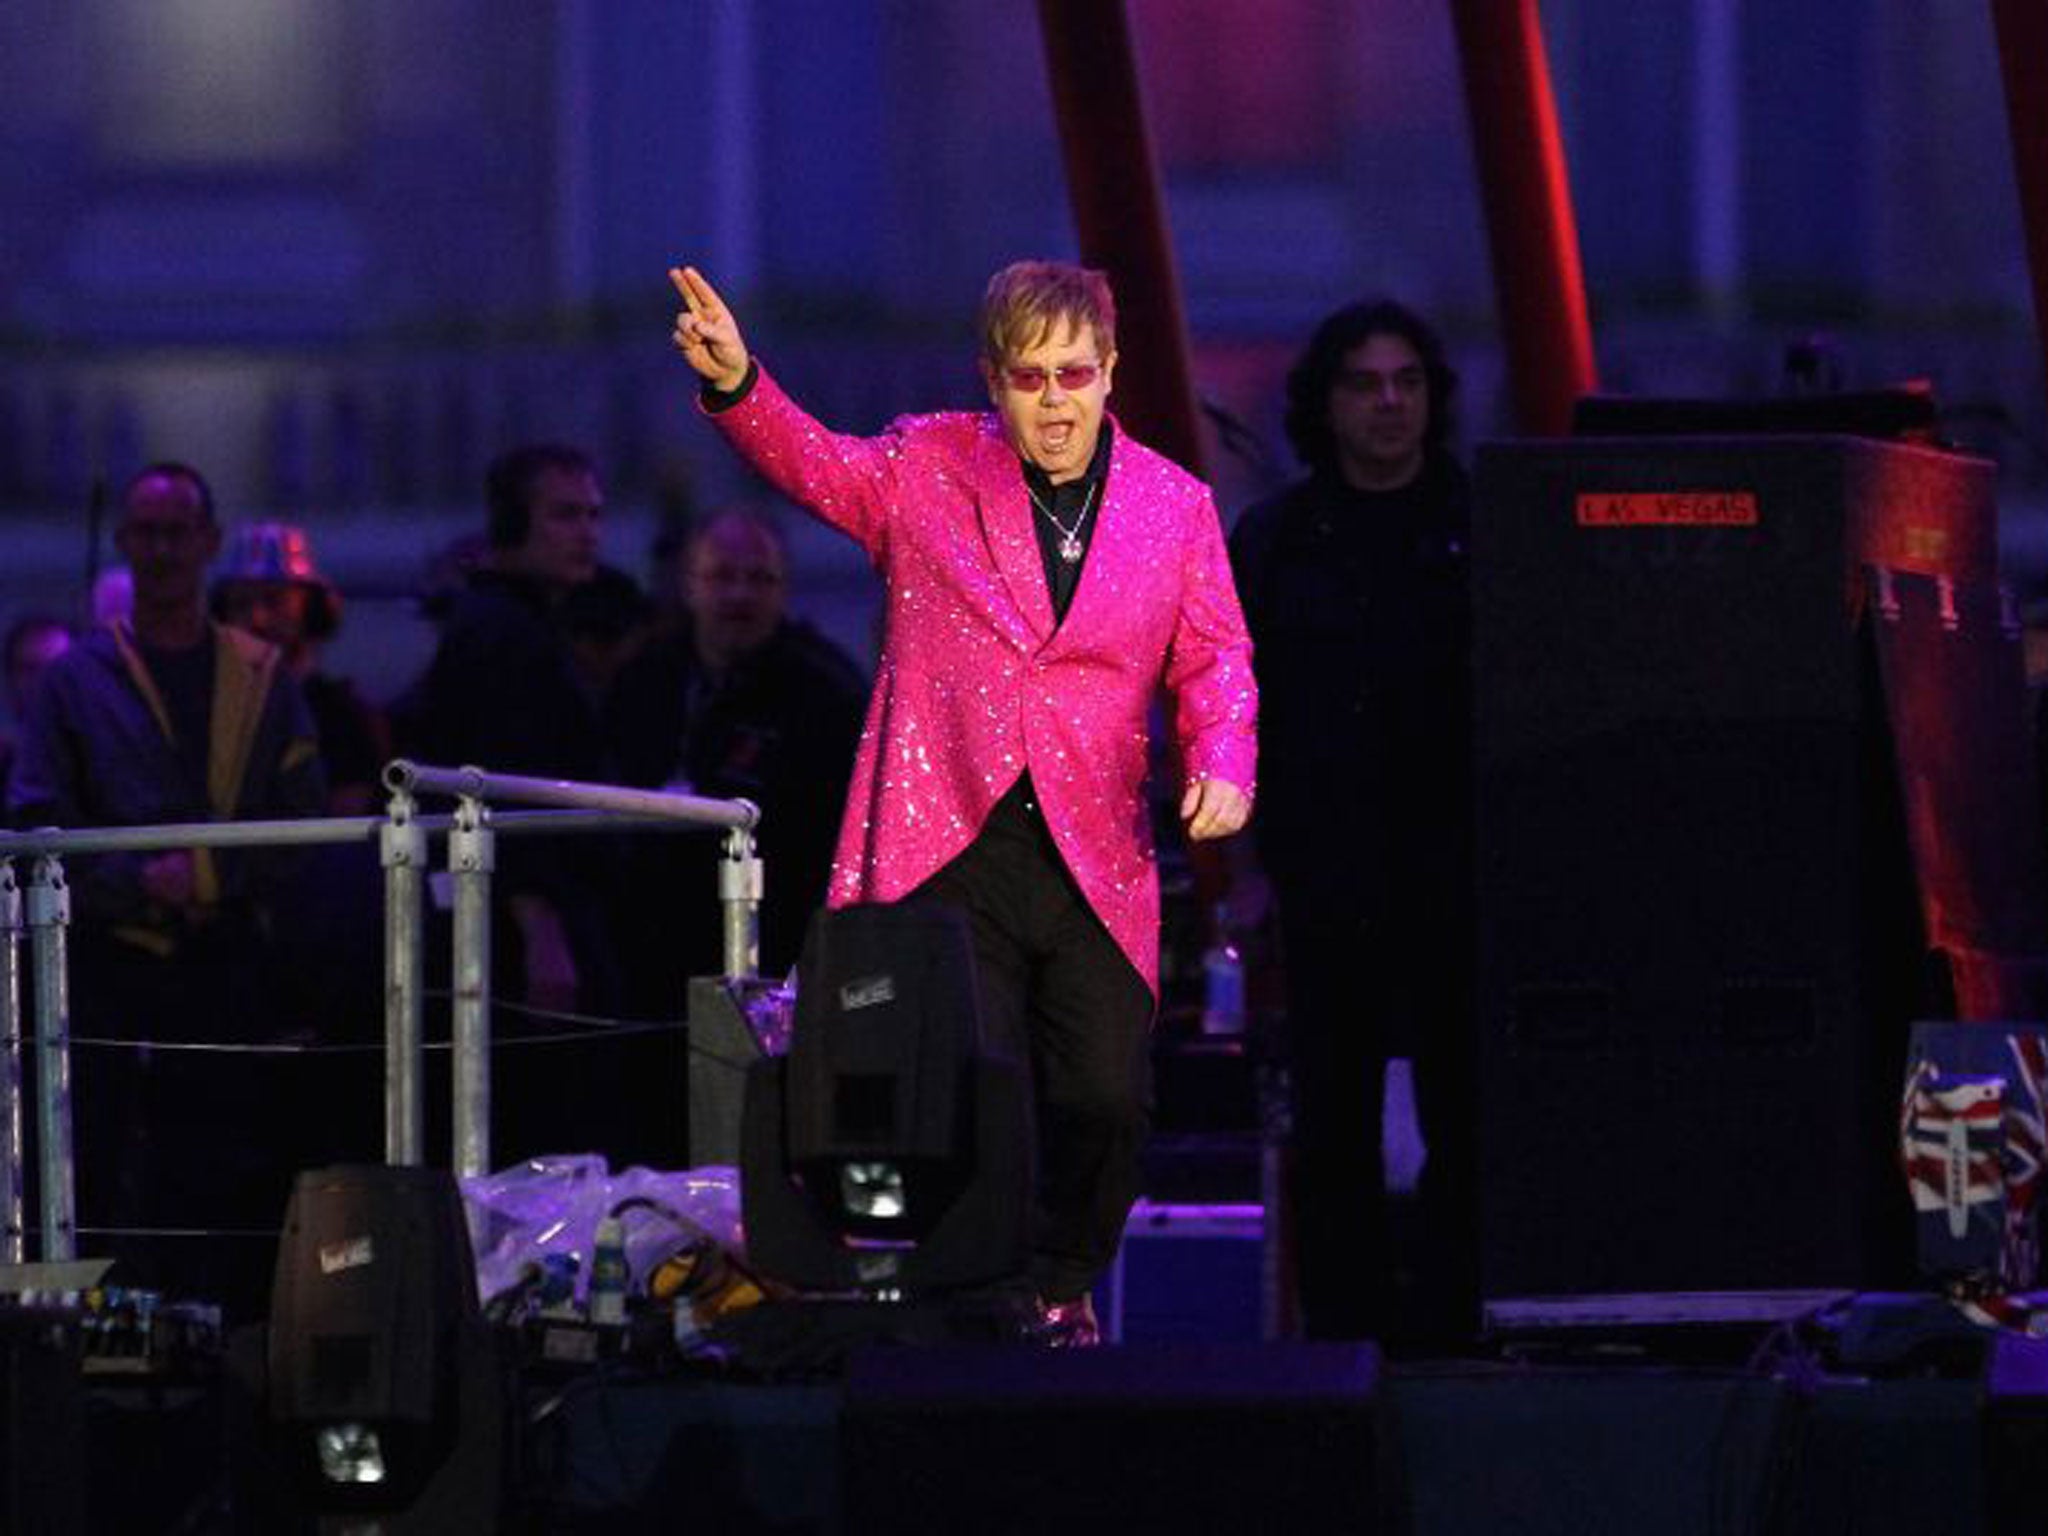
(975,684)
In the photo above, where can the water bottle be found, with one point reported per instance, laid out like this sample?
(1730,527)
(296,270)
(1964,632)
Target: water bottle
(608,1274)
(555,1292)
(1222,982)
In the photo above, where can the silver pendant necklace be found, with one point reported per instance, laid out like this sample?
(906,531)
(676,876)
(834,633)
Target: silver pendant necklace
(1070,538)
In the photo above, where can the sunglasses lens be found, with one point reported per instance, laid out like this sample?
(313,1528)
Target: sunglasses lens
(1031,381)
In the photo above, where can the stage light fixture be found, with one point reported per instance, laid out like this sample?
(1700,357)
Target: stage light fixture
(387,1392)
(890,1149)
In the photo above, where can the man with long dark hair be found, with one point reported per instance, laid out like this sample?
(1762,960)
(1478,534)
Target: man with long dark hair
(1354,585)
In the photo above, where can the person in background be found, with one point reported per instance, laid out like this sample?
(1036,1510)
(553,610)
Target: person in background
(268,584)
(503,692)
(1354,581)
(165,717)
(324,957)
(608,620)
(737,699)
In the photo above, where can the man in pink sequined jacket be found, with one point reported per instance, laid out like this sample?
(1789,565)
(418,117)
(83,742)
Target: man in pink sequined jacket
(1046,575)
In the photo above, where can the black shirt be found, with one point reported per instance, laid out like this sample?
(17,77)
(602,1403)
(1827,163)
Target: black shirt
(1056,509)
(184,679)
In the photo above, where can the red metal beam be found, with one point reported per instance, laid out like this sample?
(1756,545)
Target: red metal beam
(1538,283)
(1120,217)
(2022,27)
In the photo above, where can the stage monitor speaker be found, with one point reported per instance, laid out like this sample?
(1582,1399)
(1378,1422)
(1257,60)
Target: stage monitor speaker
(1699,944)
(1186,1437)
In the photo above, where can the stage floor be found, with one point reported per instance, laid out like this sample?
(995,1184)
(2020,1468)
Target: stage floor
(1627,1427)
(1596,1436)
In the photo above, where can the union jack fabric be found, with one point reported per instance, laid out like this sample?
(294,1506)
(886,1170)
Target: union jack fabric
(1953,1143)
(2026,1149)
(1974,1146)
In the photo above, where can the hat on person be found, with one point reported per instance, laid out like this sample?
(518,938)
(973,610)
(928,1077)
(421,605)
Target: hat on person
(279,552)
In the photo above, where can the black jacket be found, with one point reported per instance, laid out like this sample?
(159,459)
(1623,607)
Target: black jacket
(1360,611)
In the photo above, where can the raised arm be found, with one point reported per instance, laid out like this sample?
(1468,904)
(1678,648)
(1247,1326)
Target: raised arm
(848,481)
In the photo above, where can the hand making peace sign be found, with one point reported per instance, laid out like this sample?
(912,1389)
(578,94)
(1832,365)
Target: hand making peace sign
(706,333)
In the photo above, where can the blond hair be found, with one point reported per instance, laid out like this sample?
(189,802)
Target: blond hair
(1027,300)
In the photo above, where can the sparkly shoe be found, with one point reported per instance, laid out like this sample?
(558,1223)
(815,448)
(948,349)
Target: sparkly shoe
(1068,1324)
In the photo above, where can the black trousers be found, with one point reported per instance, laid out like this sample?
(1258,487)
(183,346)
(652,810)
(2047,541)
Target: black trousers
(1362,987)
(1058,994)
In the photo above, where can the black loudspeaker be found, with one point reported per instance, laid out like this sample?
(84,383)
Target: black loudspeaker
(1214,1437)
(1699,943)
(1903,413)
(387,1396)
(890,1148)
(2015,1443)
(1614,1452)
(42,1423)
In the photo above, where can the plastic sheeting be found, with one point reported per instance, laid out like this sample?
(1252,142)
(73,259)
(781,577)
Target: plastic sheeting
(546,1208)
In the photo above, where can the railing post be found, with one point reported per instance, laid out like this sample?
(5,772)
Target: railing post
(740,885)
(49,915)
(13,1143)
(404,851)
(471,859)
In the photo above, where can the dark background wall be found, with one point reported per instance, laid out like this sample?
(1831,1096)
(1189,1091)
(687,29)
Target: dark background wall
(338,252)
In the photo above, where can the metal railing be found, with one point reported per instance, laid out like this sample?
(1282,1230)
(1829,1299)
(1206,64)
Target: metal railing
(42,914)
